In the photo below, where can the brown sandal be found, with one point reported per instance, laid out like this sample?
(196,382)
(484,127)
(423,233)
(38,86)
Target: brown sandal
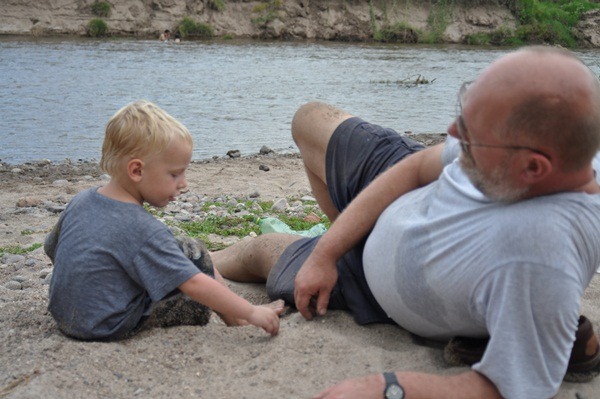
(584,363)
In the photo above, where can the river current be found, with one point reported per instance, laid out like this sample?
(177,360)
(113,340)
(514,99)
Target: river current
(56,95)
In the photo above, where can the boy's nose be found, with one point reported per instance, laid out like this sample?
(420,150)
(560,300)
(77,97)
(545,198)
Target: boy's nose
(182,184)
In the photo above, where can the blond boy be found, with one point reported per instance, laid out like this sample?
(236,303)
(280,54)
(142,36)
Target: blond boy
(114,262)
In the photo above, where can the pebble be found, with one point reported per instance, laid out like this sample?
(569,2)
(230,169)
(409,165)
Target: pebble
(56,208)
(13,285)
(61,182)
(28,202)
(280,205)
(234,153)
(10,259)
(264,150)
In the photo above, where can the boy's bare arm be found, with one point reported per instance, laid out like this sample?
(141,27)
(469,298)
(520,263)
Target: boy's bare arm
(222,300)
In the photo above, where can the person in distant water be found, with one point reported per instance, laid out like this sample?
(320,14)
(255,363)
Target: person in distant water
(165,36)
(177,37)
(116,268)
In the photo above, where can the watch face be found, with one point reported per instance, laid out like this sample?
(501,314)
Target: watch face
(394,392)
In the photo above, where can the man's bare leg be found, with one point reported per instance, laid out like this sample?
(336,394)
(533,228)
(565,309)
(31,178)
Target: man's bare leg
(251,259)
(312,128)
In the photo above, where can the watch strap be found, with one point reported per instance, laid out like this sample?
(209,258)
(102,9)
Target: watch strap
(392,380)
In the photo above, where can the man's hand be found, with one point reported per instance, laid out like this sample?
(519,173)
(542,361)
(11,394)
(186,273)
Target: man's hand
(315,279)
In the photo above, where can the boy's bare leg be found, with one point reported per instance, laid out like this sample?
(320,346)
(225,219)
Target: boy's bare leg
(312,128)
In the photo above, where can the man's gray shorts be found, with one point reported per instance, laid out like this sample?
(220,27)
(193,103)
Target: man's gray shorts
(357,153)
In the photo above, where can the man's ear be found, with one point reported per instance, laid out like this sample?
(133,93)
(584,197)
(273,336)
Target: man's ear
(134,169)
(537,168)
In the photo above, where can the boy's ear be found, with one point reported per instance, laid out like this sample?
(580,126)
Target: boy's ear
(134,169)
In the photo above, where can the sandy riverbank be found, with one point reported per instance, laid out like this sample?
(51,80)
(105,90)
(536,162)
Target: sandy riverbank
(201,362)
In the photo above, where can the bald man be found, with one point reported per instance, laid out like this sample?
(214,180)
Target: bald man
(493,234)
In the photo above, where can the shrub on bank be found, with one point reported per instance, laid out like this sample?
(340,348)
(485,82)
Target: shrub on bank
(503,36)
(550,21)
(267,12)
(399,32)
(217,5)
(97,27)
(101,8)
(190,28)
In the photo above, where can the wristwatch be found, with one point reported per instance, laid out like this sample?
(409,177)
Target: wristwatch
(393,390)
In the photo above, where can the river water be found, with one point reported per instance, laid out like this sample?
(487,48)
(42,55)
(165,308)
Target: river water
(56,95)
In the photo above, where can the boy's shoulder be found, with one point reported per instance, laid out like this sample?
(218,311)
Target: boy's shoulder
(103,209)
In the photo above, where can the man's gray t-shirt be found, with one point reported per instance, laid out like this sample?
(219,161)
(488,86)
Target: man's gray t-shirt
(111,261)
(444,261)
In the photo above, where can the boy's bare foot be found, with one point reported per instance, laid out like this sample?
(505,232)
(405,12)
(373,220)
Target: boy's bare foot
(278,306)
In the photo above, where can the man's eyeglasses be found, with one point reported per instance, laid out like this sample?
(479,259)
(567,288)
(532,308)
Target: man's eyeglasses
(466,145)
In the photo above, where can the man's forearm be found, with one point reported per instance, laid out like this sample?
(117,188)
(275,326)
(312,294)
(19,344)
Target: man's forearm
(468,385)
(357,220)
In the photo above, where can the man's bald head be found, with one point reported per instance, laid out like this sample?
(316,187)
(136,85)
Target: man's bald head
(543,97)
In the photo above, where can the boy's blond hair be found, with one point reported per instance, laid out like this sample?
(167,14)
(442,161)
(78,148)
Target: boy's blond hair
(138,130)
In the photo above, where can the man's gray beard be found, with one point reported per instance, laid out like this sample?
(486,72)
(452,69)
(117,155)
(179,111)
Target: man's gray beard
(497,187)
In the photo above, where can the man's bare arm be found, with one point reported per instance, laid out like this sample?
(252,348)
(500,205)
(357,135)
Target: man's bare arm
(318,274)
(467,385)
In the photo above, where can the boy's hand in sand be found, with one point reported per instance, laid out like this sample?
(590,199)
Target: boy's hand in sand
(266,317)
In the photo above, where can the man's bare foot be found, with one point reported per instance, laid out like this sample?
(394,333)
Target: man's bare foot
(278,306)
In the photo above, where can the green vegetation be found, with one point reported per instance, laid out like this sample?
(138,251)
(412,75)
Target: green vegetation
(440,15)
(101,9)
(242,226)
(97,27)
(217,5)
(190,28)
(399,32)
(500,37)
(550,21)
(17,250)
(268,12)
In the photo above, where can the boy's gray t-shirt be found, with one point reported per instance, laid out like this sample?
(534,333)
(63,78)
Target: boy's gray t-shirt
(444,261)
(111,261)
